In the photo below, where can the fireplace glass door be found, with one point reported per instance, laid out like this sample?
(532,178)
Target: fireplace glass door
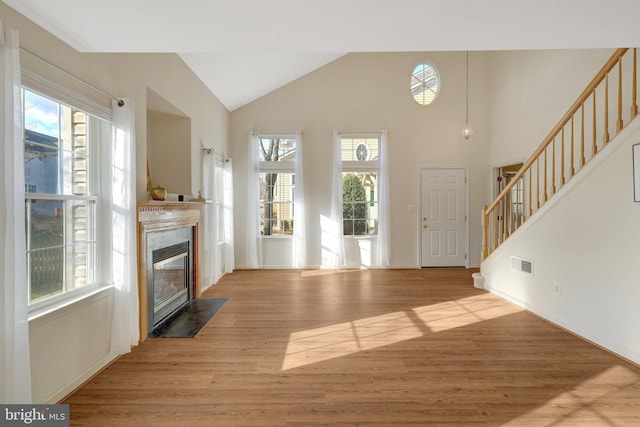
(170,280)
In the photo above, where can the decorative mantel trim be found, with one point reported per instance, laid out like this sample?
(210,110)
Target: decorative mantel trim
(168,213)
(157,216)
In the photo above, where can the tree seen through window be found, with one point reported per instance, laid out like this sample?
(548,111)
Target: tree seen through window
(277,185)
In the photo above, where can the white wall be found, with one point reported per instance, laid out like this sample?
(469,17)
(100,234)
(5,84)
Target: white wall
(369,92)
(70,345)
(530,92)
(169,161)
(585,240)
(586,244)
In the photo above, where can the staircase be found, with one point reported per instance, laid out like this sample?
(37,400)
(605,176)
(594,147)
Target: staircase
(578,137)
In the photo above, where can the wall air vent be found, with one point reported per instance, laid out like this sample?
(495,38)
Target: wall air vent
(522,265)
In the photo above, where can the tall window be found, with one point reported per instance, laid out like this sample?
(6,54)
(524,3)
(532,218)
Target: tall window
(61,195)
(276,169)
(360,170)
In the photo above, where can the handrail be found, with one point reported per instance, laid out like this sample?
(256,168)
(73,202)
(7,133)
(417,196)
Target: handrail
(613,61)
(491,216)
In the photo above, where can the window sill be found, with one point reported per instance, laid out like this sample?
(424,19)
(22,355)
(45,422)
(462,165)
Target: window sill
(46,309)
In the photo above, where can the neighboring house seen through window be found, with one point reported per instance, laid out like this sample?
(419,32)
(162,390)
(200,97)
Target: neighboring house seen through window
(61,196)
(276,170)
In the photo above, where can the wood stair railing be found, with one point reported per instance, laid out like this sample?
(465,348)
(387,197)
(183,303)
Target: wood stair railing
(571,144)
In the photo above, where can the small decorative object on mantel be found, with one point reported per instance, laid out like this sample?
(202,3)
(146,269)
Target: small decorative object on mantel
(200,199)
(158,193)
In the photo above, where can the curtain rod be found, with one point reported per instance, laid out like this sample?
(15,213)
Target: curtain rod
(108,95)
(210,151)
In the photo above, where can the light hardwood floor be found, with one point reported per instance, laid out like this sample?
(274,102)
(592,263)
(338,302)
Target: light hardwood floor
(376,347)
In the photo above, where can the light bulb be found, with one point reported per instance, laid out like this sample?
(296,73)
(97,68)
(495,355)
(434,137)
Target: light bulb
(467,131)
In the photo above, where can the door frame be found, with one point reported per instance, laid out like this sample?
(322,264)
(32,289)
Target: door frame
(495,170)
(466,211)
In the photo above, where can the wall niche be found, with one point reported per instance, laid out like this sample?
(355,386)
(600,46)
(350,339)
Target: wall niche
(168,145)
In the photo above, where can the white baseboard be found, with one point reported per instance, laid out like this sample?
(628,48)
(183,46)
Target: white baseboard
(81,378)
(620,351)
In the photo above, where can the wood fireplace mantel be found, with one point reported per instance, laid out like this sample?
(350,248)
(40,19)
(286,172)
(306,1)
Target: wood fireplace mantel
(158,216)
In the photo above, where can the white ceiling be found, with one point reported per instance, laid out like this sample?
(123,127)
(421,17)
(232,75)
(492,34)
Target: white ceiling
(243,49)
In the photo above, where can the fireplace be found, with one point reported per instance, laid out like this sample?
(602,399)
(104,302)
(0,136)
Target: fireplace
(167,260)
(169,274)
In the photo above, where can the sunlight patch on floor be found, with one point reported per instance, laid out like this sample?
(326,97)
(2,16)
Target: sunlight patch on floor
(342,339)
(463,312)
(330,342)
(590,403)
(324,272)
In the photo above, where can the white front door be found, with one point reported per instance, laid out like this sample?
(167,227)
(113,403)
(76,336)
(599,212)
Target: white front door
(442,217)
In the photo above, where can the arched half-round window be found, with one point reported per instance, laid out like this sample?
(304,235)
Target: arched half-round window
(425,84)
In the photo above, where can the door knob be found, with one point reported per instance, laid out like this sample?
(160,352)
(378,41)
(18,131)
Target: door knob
(424,226)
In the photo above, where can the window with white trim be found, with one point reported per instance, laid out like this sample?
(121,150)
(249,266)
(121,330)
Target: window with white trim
(425,84)
(62,196)
(360,170)
(276,170)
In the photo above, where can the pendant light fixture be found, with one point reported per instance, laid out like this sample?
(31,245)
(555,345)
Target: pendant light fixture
(467,131)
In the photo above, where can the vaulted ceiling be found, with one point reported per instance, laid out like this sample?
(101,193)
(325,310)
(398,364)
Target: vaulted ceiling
(243,49)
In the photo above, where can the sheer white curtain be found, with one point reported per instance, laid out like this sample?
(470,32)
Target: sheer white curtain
(254,244)
(383,244)
(335,241)
(15,369)
(124,323)
(299,241)
(227,209)
(210,257)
